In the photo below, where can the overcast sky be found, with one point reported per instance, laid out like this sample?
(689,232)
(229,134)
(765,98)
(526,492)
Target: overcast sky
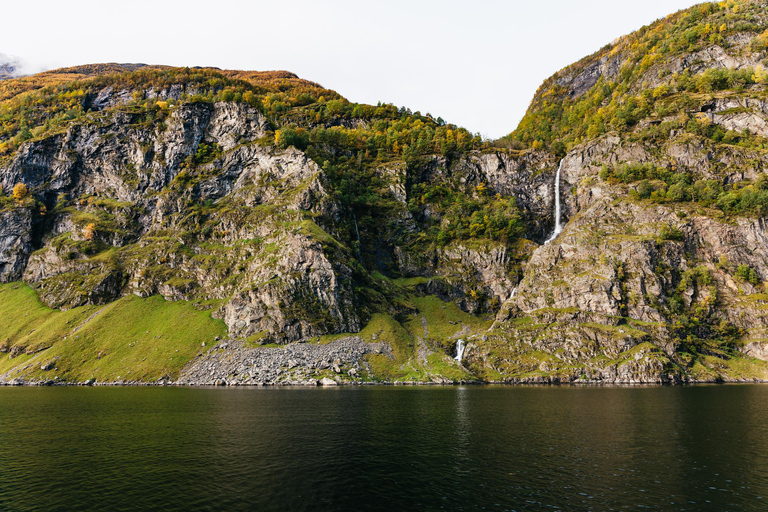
(475,63)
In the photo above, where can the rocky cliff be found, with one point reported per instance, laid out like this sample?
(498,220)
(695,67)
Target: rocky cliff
(338,242)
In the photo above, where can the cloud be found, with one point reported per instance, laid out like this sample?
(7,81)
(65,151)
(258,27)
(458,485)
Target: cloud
(12,66)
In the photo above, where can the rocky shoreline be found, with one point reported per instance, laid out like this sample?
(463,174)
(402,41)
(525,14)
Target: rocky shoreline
(340,362)
(327,382)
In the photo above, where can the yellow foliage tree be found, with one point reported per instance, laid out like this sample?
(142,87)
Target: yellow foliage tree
(761,75)
(20,191)
(90,231)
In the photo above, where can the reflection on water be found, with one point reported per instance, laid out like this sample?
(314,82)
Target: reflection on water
(384,448)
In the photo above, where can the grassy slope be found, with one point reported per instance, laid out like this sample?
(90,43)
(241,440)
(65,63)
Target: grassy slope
(130,339)
(146,339)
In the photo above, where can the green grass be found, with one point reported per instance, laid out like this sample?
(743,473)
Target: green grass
(444,319)
(310,229)
(144,339)
(410,282)
(130,339)
(28,323)
(746,368)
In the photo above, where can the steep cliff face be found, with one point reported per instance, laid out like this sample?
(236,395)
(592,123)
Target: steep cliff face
(659,273)
(15,239)
(372,241)
(244,232)
(198,202)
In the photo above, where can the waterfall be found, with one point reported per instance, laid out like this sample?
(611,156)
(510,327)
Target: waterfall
(558,226)
(460,350)
(514,290)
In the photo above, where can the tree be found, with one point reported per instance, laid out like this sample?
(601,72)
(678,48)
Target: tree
(747,273)
(558,148)
(20,192)
(760,75)
(90,232)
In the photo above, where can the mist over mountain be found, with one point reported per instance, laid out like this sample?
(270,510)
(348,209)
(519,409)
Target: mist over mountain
(8,66)
(13,67)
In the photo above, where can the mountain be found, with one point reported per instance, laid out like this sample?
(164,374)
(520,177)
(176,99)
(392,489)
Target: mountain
(8,67)
(197,225)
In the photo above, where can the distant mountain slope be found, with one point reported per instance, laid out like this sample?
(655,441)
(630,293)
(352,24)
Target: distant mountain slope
(8,67)
(652,75)
(385,236)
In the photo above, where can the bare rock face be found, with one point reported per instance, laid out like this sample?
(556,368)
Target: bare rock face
(624,271)
(489,267)
(528,177)
(608,274)
(112,155)
(297,294)
(756,349)
(610,258)
(231,123)
(283,274)
(578,84)
(738,114)
(15,243)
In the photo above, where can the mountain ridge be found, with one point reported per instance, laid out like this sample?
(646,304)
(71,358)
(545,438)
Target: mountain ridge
(295,219)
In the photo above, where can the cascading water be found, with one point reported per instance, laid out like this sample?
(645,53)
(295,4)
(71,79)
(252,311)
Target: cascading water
(460,350)
(558,226)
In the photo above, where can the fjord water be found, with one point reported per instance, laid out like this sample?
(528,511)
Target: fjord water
(384,448)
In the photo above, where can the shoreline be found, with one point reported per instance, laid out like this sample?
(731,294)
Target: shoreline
(320,384)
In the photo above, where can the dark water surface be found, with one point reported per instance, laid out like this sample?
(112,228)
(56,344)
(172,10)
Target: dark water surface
(385,448)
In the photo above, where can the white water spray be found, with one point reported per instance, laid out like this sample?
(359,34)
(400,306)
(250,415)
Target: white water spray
(514,290)
(558,226)
(460,350)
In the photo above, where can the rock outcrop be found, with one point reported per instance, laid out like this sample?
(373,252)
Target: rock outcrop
(292,214)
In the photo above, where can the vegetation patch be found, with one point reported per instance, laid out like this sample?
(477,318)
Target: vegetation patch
(132,339)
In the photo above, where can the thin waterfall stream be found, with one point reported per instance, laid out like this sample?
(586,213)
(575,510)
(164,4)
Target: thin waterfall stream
(558,225)
(460,346)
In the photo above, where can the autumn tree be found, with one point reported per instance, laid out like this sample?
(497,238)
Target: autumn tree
(90,232)
(20,192)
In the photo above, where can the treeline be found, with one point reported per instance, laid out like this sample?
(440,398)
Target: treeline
(46,106)
(305,112)
(409,136)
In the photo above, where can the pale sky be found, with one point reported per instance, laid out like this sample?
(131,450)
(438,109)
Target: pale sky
(474,63)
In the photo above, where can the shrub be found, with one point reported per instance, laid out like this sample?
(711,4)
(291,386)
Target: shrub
(644,189)
(748,274)
(669,232)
